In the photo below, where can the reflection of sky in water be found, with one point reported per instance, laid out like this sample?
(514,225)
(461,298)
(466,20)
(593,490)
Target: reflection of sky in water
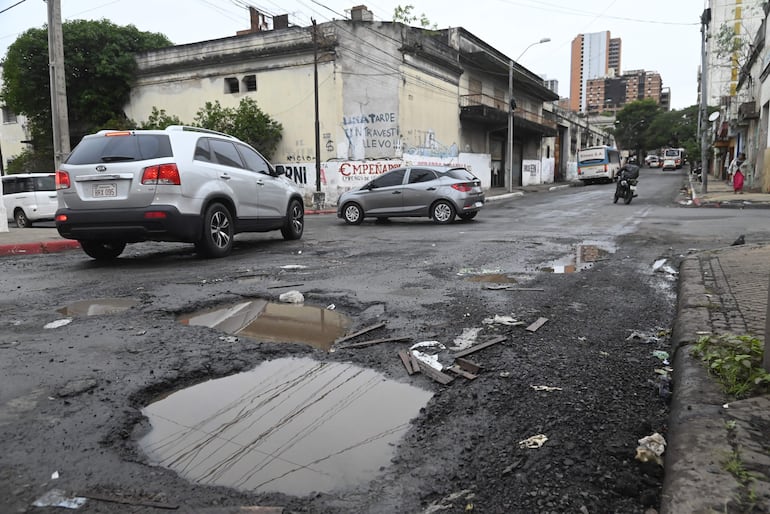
(290,425)
(279,322)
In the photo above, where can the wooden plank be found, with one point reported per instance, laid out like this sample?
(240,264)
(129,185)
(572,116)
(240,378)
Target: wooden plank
(374,341)
(510,288)
(459,371)
(362,331)
(468,365)
(415,362)
(407,362)
(435,374)
(537,324)
(481,346)
(238,510)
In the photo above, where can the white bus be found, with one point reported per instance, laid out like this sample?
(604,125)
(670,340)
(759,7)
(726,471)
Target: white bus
(598,163)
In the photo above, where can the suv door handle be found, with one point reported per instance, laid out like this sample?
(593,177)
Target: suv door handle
(225,176)
(396,193)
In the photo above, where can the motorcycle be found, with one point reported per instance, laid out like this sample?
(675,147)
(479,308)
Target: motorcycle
(627,182)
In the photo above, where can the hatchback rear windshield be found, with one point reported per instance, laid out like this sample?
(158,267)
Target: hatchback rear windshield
(461,174)
(123,148)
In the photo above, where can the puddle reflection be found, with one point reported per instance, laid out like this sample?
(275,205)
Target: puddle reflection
(98,306)
(277,322)
(291,425)
(584,258)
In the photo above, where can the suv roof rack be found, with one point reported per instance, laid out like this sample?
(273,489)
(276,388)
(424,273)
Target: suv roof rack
(188,128)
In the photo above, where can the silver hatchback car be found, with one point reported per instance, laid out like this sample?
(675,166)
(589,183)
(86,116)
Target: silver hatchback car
(436,192)
(179,184)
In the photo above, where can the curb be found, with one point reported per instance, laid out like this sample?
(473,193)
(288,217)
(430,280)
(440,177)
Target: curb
(38,248)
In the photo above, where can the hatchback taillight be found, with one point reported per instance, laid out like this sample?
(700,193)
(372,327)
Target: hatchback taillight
(161,174)
(62,180)
(463,188)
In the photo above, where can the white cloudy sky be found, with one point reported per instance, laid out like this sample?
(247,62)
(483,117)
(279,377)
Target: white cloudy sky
(657,35)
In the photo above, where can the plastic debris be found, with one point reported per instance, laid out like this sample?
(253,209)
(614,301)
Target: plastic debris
(58,498)
(331,307)
(545,388)
(228,339)
(651,448)
(658,264)
(503,320)
(292,297)
(58,323)
(55,475)
(663,356)
(431,360)
(293,266)
(536,441)
(466,339)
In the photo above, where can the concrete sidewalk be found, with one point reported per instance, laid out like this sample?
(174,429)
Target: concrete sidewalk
(722,291)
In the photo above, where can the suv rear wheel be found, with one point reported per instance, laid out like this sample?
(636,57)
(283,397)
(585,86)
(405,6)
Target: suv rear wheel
(295,221)
(217,235)
(102,250)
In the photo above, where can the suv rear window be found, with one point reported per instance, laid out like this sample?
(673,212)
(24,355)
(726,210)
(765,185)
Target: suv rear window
(123,148)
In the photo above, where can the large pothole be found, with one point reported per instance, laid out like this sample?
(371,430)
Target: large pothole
(292,425)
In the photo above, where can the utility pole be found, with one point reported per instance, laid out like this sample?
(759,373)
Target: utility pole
(705,19)
(59,115)
(318,196)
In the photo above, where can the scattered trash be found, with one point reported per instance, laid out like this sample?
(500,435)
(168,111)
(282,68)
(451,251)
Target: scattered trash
(58,323)
(466,339)
(228,339)
(292,297)
(604,354)
(58,498)
(474,271)
(331,306)
(293,266)
(536,441)
(505,374)
(503,320)
(663,356)
(481,346)
(55,475)
(660,265)
(545,388)
(651,448)
(726,406)
(359,332)
(664,386)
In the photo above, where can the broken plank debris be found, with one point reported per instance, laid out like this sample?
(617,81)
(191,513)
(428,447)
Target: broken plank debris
(407,361)
(481,346)
(435,374)
(537,324)
(375,341)
(359,332)
(460,371)
(468,365)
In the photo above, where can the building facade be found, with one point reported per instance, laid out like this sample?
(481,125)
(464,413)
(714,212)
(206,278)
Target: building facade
(593,56)
(610,94)
(387,93)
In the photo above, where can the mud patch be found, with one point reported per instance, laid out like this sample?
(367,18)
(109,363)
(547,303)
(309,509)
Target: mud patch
(277,322)
(98,307)
(291,425)
(493,278)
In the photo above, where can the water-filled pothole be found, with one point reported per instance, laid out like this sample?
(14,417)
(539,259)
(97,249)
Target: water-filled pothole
(291,425)
(98,306)
(495,278)
(278,322)
(584,258)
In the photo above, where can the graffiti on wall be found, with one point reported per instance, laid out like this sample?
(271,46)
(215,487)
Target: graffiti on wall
(371,134)
(427,145)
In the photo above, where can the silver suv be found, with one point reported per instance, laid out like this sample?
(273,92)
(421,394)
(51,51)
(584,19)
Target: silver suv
(180,184)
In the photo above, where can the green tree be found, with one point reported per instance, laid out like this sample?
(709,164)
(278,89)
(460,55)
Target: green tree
(247,122)
(676,129)
(632,125)
(99,68)
(159,119)
(405,16)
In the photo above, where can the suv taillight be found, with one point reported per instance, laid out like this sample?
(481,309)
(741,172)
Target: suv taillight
(162,174)
(62,180)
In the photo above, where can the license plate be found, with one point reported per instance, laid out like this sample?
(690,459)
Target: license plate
(105,190)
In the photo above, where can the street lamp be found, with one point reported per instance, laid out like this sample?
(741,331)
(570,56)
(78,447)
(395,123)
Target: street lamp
(511,107)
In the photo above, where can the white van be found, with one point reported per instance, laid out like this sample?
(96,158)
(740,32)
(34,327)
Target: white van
(30,197)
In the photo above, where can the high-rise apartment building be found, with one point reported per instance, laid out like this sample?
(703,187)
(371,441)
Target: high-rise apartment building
(593,56)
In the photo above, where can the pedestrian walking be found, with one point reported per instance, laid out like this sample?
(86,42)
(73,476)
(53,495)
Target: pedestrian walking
(737,172)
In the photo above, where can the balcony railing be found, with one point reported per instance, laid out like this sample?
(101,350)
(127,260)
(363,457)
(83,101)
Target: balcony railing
(482,100)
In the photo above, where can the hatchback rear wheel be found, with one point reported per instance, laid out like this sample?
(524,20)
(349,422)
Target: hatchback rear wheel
(102,250)
(21,219)
(217,236)
(443,212)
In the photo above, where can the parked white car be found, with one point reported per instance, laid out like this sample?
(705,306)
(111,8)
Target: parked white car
(30,197)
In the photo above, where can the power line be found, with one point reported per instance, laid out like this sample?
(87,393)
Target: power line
(14,5)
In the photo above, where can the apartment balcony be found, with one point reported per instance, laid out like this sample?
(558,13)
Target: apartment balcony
(492,111)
